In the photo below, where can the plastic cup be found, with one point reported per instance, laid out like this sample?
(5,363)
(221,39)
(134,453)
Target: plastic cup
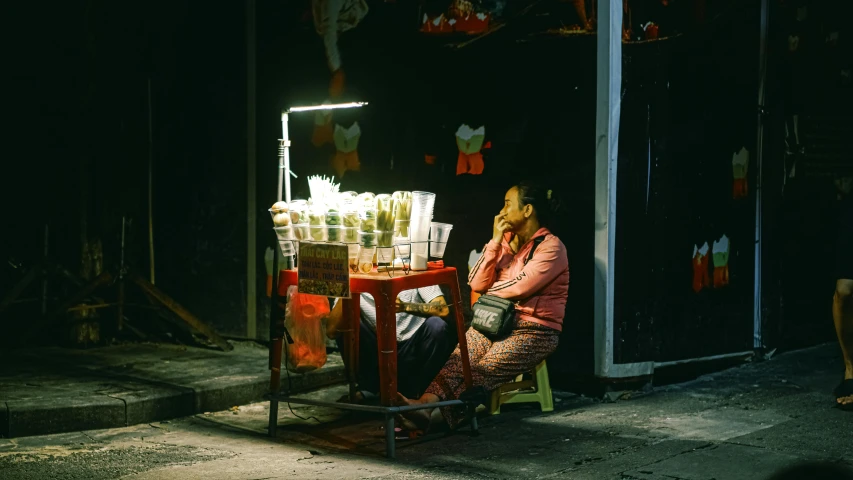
(352,256)
(286,247)
(302,231)
(365,259)
(422,208)
(298,211)
(385,255)
(284,233)
(333,234)
(439,233)
(317,233)
(316,217)
(419,256)
(402,245)
(401,228)
(349,234)
(367,239)
(384,238)
(422,201)
(285,240)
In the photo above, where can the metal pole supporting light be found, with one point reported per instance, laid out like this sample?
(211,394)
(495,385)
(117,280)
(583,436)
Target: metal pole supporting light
(277,330)
(284,171)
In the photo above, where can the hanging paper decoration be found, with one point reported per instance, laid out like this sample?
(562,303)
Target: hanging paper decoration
(439,24)
(793,43)
(472,23)
(651,30)
(721,262)
(832,38)
(740,166)
(346,143)
(470,142)
(303,321)
(322,128)
(700,268)
(458,20)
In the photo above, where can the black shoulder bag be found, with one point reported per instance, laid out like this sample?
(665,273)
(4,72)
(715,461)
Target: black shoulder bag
(494,316)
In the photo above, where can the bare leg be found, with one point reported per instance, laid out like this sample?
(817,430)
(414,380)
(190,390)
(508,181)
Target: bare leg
(333,320)
(580,8)
(417,419)
(842,314)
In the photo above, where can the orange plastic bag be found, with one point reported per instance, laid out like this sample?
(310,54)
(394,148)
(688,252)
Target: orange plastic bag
(303,320)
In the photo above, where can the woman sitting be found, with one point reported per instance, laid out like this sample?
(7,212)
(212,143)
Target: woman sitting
(539,285)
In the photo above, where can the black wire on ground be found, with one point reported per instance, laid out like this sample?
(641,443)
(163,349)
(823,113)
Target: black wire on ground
(290,389)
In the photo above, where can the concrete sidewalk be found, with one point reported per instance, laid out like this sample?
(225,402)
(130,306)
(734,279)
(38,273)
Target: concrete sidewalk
(52,390)
(740,424)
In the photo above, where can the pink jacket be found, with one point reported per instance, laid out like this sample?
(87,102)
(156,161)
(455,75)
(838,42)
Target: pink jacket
(539,288)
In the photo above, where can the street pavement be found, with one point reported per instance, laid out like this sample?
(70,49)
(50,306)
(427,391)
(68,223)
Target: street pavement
(741,423)
(55,390)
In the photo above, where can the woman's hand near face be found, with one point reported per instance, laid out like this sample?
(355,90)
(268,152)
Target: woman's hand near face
(500,227)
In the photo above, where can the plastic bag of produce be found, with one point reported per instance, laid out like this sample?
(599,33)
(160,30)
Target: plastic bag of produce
(303,320)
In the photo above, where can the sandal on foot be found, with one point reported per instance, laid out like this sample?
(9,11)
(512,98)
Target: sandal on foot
(407,428)
(360,397)
(419,419)
(476,396)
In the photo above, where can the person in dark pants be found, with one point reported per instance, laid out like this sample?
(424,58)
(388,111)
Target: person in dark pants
(842,304)
(424,341)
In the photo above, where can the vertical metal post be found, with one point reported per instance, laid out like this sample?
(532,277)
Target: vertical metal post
(44,266)
(120,307)
(276,346)
(284,176)
(759,154)
(284,160)
(390,436)
(251,175)
(608,106)
(150,188)
(276,341)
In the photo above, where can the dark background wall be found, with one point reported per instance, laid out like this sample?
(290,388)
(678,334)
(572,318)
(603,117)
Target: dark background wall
(79,149)
(80,136)
(688,105)
(802,218)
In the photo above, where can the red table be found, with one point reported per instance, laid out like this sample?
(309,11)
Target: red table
(384,287)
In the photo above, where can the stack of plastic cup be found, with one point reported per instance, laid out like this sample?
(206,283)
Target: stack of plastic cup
(286,246)
(299,219)
(317,224)
(333,226)
(285,239)
(402,215)
(439,234)
(423,204)
(349,222)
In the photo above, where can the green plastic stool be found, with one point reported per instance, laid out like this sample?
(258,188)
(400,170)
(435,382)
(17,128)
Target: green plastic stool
(525,391)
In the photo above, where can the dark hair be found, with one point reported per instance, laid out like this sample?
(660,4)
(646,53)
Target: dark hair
(545,201)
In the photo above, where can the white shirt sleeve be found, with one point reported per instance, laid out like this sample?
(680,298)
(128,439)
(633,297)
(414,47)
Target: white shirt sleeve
(430,293)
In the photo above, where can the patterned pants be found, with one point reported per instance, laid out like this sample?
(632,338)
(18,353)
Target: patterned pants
(493,363)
